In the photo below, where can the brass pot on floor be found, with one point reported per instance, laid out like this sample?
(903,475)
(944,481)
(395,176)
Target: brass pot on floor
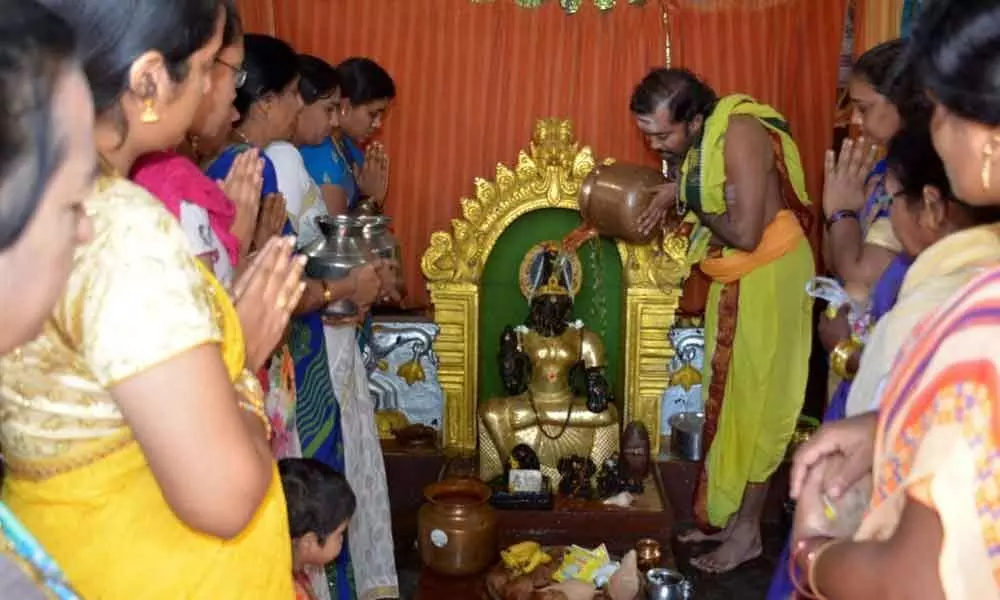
(457,527)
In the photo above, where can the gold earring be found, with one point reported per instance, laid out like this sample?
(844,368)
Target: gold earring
(149,115)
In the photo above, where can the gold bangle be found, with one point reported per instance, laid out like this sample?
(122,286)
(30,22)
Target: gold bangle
(327,293)
(831,311)
(260,414)
(841,356)
(249,387)
(812,559)
(252,399)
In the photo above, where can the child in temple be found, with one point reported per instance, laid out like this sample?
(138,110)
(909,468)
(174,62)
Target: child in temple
(320,505)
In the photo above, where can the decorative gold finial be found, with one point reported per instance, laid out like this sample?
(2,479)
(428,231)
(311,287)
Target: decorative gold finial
(555,287)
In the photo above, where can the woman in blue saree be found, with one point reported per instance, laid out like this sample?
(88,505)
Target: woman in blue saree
(349,178)
(327,353)
(268,105)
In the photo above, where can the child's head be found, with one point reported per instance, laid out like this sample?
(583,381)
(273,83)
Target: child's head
(320,503)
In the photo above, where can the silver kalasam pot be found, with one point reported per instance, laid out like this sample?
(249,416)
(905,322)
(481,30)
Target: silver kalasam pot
(685,435)
(380,239)
(341,248)
(665,584)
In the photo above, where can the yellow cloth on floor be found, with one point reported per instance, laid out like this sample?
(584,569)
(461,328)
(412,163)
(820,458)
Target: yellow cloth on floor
(77,479)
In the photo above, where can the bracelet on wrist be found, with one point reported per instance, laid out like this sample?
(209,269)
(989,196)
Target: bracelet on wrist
(832,311)
(840,358)
(805,555)
(261,414)
(327,293)
(812,559)
(841,215)
(795,575)
(252,399)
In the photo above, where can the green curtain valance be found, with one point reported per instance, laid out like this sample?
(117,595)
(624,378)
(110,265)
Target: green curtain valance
(570,6)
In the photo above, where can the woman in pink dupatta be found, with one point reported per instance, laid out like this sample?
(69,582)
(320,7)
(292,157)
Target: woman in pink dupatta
(220,219)
(932,528)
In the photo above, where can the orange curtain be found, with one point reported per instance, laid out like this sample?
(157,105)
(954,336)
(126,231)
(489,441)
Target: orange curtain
(472,79)
(257,15)
(783,52)
(877,21)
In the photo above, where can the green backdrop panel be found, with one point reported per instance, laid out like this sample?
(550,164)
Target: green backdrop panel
(599,304)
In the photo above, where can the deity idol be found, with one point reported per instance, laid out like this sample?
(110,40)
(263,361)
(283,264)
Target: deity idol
(537,363)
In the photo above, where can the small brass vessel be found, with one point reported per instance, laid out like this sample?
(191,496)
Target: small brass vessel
(648,554)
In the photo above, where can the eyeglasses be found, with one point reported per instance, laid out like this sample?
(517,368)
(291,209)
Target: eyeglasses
(239,74)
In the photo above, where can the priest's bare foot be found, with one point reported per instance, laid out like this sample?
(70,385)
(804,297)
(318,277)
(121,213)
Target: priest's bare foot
(697,536)
(742,546)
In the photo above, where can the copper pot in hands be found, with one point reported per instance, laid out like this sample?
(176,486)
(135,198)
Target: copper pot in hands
(612,197)
(457,527)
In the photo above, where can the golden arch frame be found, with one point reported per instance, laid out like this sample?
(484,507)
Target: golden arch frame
(547,175)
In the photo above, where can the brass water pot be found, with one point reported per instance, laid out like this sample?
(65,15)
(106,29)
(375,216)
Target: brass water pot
(457,527)
(612,197)
(648,554)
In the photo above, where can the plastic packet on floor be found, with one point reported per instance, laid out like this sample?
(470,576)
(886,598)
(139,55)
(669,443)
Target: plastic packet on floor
(582,564)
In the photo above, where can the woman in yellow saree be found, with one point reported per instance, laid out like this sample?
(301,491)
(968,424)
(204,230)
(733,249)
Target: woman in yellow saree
(136,451)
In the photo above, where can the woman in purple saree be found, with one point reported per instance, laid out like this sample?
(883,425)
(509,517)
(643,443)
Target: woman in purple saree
(862,248)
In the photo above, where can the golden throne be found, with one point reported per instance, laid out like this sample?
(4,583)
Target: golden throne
(548,175)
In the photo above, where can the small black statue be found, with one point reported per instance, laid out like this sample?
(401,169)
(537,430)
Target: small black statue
(576,472)
(515,365)
(609,480)
(598,390)
(524,457)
